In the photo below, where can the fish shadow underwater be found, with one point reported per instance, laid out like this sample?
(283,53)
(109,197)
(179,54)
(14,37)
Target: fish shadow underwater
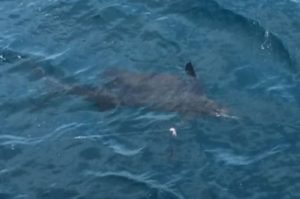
(161,92)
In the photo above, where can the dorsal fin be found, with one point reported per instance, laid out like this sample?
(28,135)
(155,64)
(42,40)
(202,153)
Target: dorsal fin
(189,69)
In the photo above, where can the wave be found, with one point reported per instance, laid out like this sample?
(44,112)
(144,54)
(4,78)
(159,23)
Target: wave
(230,158)
(142,182)
(245,30)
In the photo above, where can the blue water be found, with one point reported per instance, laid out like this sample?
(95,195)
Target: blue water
(247,57)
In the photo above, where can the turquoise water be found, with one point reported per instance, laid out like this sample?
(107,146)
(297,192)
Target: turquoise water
(246,55)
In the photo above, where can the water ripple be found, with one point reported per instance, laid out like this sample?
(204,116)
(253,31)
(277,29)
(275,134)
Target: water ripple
(16,140)
(121,149)
(145,180)
(212,15)
(231,158)
(12,140)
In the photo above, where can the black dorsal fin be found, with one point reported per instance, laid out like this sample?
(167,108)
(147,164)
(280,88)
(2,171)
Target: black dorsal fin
(189,69)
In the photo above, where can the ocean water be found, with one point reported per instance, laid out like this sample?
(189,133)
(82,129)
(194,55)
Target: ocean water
(246,54)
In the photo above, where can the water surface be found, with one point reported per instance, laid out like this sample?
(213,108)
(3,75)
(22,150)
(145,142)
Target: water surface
(246,54)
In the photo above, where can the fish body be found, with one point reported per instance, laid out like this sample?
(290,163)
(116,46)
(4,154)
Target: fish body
(163,92)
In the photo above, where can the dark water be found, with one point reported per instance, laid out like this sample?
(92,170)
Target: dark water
(246,54)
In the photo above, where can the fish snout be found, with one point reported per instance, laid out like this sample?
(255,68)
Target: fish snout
(220,112)
(223,112)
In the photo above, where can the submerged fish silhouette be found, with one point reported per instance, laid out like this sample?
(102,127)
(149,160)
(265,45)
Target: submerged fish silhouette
(162,92)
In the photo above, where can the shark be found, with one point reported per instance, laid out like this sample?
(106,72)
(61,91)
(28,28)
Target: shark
(156,91)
